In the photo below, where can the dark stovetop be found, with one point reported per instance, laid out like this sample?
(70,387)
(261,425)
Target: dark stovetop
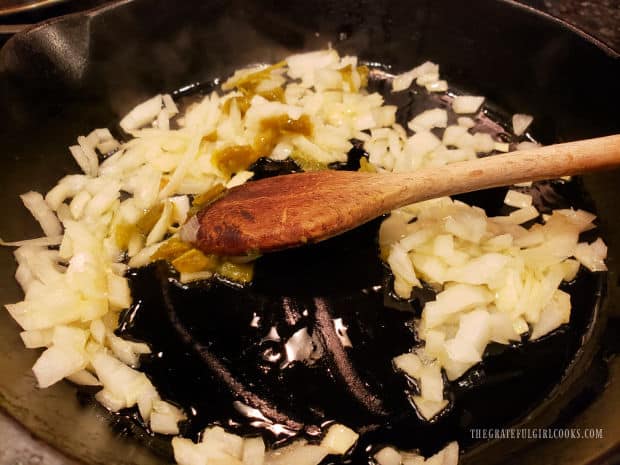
(600,18)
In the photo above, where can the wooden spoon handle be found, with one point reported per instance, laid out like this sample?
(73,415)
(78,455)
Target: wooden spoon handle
(534,164)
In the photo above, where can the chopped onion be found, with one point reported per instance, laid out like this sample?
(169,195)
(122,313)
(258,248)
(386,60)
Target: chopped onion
(409,363)
(90,155)
(501,146)
(57,363)
(36,338)
(388,456)
(84,378)
(169,105)
(435,118)
(520,216)
(41,211)
(164,418)
(520,122)
(142,114)
(403,81)
(517,199)
(429,409)
(593,255)
(466,122)
(339,439)
(437,86)
(239,179)
(467,104)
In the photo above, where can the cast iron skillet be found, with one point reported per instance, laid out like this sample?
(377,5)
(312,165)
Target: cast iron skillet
(66,77)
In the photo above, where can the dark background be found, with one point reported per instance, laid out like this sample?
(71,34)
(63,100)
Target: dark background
(600,18)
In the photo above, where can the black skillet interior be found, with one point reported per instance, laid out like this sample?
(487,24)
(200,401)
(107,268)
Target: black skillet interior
(64,78)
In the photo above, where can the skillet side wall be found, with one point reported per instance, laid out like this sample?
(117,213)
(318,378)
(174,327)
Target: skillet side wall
(62,79)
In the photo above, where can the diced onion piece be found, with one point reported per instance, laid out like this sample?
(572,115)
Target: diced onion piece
(483,143)
(81,159)
(162,122)
(41,211)
(117,378)
(190,277)
(555,314)
(240,178)
(520,122)
(169,105)
(517,199)
(457,298)
(523,215)
(181,207)
(580,218)
(427,78)
(471,338)
(98,331)
(54,308)
(404,274)
(437,86)
(571,268)
(501,146)
(409,363)
(110,401)
(339,439)
(119,294)
(142,114)
(230,443)
(453,134)
(165,417)
(127,352)
(78,204)
(188,453)
(593,255)
(411,458)
(431,382)
(70,337)
(90,154)
(480,270)
(467,104)
(67,187)
(435,118)
(57,363)
(388,456)
(428,409)
(501,329)
(84,378)
(36,338)
(108,146)
(161,227)
(466,122)
(403,81)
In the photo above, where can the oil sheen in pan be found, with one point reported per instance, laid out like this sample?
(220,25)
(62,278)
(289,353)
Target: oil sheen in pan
(311,340)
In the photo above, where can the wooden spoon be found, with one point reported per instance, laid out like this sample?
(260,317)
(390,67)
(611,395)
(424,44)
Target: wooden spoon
(287,211)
